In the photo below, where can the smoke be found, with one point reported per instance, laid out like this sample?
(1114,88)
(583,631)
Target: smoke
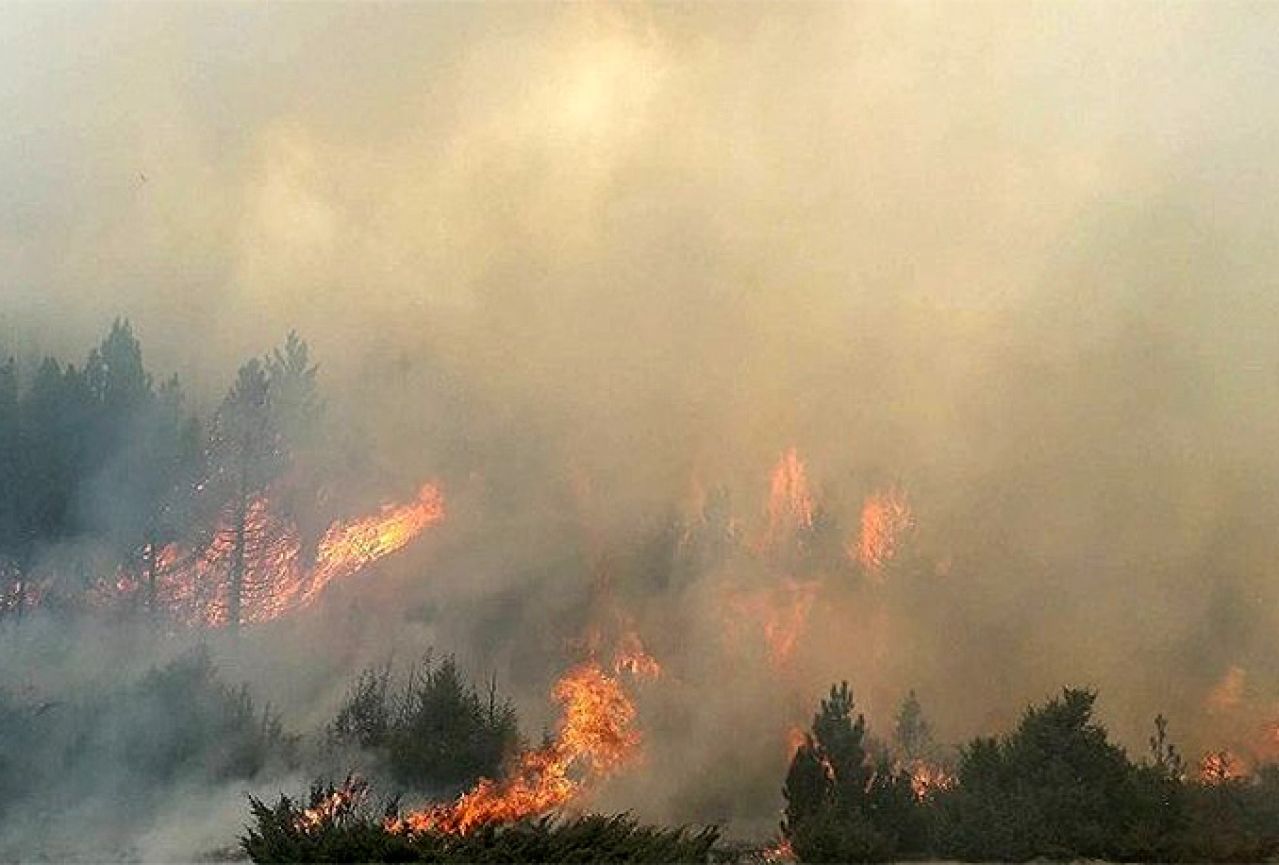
(579,260)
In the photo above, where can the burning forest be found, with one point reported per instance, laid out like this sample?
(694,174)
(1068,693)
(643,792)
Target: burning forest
(820,432)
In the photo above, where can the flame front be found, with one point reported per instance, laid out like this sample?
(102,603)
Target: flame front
(886,517)
(195,587)
(348,547)
(928,779)
(790,504)
(781,612)
(633,658)
(782,851)
(334,804)
(1220,767)
(594,739)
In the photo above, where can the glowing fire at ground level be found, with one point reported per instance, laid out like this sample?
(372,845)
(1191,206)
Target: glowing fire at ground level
(594,738)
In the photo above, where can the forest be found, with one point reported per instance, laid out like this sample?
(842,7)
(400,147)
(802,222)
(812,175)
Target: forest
(617,432)
(102,452)
(126,508)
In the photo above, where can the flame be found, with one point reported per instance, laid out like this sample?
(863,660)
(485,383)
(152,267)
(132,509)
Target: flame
(195,587)
(20,592)
(1220,767)
(795,739)
(348,547)
(334,804)
(593,740)
(782,851)
(782,614)
(790,504)
(631,657)
(886,518)
(928,779)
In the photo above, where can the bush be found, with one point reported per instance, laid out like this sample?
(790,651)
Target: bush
(182,720)
(354,832)
(1055,787)
(831,835)
(436,733)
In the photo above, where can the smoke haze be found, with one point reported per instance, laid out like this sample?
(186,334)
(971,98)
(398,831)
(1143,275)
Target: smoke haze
(582,261)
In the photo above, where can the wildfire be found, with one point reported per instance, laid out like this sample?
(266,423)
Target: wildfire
(779,852)
(795,738)
(337,802)
(1219,767)
(594,739)
(631,657)
(886,518)
(790,504)
(196,587)
(927,779)
(348,547)
(782,613)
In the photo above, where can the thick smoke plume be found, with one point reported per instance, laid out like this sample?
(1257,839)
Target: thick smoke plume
(598,269)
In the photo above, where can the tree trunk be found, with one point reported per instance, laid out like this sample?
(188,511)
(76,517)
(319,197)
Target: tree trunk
(235,591)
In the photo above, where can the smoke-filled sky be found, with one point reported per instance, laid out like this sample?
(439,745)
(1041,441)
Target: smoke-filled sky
(1020,257)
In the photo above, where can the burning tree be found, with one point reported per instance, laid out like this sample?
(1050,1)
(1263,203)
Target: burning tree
(175,464)
(272,409)
(912,733)
(594,739)
(840,807)
(246,456)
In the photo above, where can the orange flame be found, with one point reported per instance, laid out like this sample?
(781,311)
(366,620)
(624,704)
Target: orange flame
(594,739)
(782,613)
(782,851)
(1220,767)
(795,738)
(196,587)
(631,657)
(348,547)
(928,779)
(334,804)
(790,504)
(886,518)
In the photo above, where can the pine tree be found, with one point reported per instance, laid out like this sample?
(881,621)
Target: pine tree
(296,406)
(911,732)
(1166,759)
(172,441)
(830,768)
(246,456)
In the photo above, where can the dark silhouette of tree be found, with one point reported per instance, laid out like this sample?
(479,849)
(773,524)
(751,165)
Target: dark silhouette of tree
(1164,755)
(829,768)
(116,379)
(296,406)
(149,457)
(841,807)
(56,422)
(436,731)
(174,467)
(296,415)
(1054,787)
(245,458)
